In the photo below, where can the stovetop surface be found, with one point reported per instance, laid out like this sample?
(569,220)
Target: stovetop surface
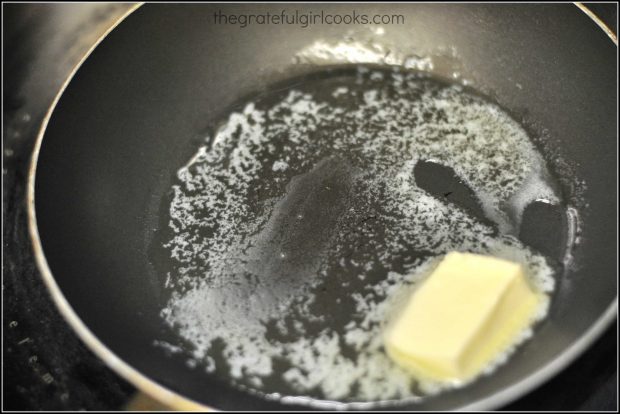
(45,366)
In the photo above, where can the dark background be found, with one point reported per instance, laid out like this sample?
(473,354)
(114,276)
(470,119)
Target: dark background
(45,366)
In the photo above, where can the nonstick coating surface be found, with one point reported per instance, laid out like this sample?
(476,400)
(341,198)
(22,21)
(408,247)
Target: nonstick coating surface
(138,107)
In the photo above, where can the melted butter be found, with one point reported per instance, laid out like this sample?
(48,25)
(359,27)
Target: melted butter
(296,229)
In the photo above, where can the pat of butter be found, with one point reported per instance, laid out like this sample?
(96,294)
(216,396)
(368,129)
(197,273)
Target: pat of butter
(465,314)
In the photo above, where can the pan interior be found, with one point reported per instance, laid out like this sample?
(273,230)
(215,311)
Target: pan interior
(314,208)
(136,111)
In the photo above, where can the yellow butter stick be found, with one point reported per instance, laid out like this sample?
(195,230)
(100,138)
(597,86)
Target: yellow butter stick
(463,315)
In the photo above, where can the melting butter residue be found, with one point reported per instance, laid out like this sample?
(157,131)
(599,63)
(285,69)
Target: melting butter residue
(297,229)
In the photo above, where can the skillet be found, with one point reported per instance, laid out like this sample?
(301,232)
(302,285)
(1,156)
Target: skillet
(137,108)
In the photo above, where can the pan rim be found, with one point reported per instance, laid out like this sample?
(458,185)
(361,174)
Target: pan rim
(125,370)
(174,399)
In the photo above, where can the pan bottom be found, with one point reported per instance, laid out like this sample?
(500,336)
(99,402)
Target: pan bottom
(313,209)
